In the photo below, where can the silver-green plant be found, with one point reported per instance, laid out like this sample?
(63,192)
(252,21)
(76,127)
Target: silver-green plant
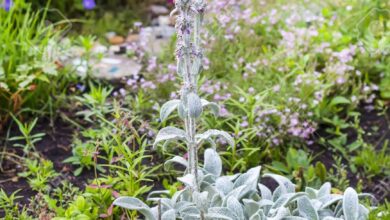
(207,194)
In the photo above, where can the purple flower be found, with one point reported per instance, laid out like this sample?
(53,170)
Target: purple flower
(7,4)
(89,4)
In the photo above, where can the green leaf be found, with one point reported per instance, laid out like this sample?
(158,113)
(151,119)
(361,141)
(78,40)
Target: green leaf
(339,100)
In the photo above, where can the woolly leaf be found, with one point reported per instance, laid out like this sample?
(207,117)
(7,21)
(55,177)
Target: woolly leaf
(212,162)
(215,133)
(234,205)
(194,105)
(135,204)
(213,106)
(169,134)
(177,160)
(200,199)
(188,180)
(265,192)
(168,108)
(350,204)
(220,213)
(169,215)
(324,190)
(224,185)
(286,185)
(306,209)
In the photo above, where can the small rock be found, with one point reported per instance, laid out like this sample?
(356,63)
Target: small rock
(159,10)
(132,38)
(116,40)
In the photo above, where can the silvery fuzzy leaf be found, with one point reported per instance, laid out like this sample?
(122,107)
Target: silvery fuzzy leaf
(222,212)
(306,209)
(277,193)
(211,189)
(194,105)
(330,200)
(325,212)
(207,180)
(216,201)
(280,214)
(168,134)
(200,199)
(177,160)
(135,204)
(294,218)
(169,215)
(363,212)
(224,185)
(157,193)
(233,177)
(190,210)
(181,110)
(216,216)
(212,162)
(215,133)
(213,106)
(191,217)
(311,193)
(265,192)
(331,218)
(286,185)
(350,204)
(250,178)
(155,212)
(235,206)
(259,215)
(251,207)
(285,199)
(182,195)
(182,205)
(324,190)
(168,108)
(188,180)
(339,209)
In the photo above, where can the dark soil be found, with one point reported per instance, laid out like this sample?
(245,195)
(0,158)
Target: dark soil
(55,146)
(376,125)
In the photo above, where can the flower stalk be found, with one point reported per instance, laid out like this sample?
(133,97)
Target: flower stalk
(189,57)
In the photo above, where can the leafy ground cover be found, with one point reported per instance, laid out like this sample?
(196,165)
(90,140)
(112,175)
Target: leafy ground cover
(303,89)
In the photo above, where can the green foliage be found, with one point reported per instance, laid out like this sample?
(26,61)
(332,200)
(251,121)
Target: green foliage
(39,174)
(9,207)
(30,139)
(29,73)
(374,162)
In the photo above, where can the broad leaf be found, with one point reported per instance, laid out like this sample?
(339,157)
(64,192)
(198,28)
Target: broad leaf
(168,108)
(169,134)
(214,133)
(135,204)
(350,204)
(212,162)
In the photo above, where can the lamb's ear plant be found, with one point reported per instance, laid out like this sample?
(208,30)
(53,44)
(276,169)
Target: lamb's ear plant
(207,194)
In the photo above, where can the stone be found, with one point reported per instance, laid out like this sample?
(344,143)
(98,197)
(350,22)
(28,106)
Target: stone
(112,67)
(154,39)
(116,40)
(132,38)
(159,10)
